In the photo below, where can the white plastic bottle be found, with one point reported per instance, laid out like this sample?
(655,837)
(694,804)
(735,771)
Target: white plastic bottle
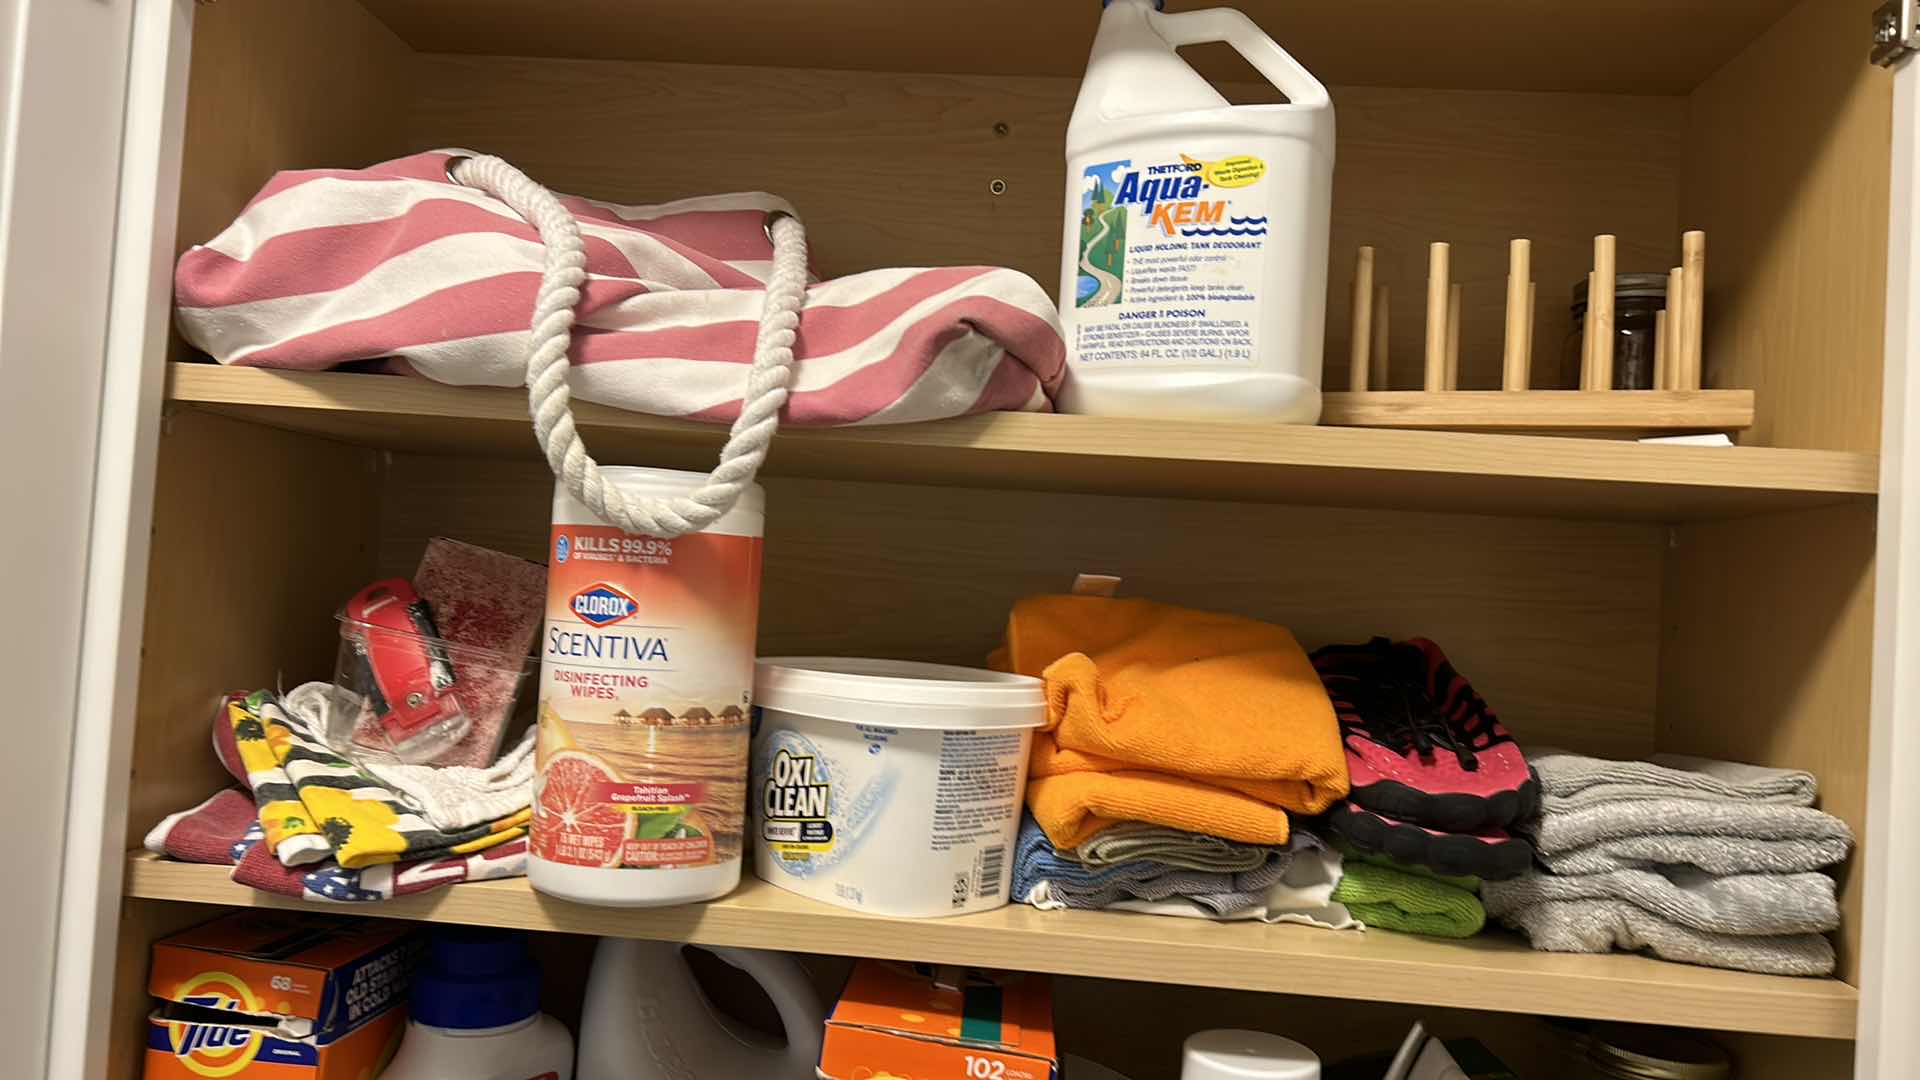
(646,1017)
(1194,266)
(474,1012)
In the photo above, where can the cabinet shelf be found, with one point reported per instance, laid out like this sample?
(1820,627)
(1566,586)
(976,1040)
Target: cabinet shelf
(1518,475)
(1503,974)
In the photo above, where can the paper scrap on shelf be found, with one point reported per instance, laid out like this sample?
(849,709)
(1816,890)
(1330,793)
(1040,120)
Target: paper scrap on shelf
(1691,440)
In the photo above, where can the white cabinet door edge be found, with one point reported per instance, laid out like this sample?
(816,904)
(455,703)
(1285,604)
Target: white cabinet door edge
(138,314)
(1889,1034)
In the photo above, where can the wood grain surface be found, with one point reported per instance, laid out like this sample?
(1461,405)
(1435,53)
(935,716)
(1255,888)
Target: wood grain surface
(1766,656)
(1238,460)
(259,536)
(284,84)
(1788,150)
(1380,966)
(1554,621)
(1614,414)
(1626,46)
(896,170)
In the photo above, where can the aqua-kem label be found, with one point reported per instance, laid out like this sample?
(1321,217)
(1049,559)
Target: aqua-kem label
(1169,254)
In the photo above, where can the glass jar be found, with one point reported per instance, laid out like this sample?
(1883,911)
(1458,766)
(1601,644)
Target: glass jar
(1637,298)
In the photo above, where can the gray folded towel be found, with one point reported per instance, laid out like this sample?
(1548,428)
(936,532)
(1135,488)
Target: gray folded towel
(1577,780)
(1714,854)
(1746,904)
(1131,841)
(1561,828)
(1597,926)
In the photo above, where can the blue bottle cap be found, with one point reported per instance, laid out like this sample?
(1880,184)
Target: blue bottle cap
(472,977)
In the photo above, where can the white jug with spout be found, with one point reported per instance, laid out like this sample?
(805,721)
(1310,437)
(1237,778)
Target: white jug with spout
(1194,273)
(646,1018)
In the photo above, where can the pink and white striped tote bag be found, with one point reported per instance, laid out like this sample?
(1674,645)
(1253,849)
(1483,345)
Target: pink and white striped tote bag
(399,264)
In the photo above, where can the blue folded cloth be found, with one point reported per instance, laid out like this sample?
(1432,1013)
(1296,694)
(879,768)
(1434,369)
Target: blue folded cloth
(1078,885)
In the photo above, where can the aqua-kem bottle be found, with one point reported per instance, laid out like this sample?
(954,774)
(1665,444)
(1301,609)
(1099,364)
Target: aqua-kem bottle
(1194,274)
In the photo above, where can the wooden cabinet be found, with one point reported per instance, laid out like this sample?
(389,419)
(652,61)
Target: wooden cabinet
(1611,597)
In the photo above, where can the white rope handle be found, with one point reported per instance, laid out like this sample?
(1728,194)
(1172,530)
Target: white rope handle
(547,393)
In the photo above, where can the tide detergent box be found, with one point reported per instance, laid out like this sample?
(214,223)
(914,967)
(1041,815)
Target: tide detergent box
(913,1022)
(279,994)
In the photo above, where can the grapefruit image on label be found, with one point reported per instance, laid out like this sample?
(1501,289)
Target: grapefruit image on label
(646,679)
(576,829)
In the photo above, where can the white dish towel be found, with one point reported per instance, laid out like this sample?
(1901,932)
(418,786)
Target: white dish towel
(452,798)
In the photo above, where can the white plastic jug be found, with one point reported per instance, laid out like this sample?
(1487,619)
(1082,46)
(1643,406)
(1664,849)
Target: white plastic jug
(474,1012)
(1194,268)
(646,1017)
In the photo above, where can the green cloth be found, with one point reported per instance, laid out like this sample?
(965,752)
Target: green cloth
(1392,899)
(1350,853)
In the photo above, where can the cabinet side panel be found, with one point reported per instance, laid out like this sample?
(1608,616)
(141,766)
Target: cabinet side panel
(1787,159)
(259,536)
(1766,657)
(285,84)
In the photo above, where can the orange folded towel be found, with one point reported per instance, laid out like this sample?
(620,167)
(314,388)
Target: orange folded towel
(1207,722)
(1075,795)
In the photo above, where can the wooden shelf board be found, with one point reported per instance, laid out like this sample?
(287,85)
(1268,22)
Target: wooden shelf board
(1504,975)
(1527,476)
(1620,414)
(1627,46)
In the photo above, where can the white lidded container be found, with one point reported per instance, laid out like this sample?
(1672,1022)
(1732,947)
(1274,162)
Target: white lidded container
(1194,264)
(646,688)
(888,786)
(1246,1055)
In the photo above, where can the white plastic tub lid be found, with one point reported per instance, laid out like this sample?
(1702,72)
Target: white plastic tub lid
(899,693)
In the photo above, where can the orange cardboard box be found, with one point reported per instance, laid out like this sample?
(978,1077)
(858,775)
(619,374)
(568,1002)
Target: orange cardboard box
(277,994)
(913,1022)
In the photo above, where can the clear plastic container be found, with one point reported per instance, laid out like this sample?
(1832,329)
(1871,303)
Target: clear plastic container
(427,698)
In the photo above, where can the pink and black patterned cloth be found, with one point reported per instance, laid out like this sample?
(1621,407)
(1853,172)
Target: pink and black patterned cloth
(398,264)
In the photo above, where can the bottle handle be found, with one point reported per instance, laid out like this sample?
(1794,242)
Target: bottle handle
(1235,29)
(802,1013)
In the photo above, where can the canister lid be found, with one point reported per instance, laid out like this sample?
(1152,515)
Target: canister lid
(746,518)
(899,693)
(1626,287)
(1247,1055)
(1652,1053)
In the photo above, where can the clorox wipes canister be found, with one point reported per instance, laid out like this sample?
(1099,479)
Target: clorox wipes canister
(1194,270)
(646,684)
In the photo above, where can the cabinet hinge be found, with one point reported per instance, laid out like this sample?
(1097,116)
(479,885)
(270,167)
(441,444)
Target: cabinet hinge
(1896,31)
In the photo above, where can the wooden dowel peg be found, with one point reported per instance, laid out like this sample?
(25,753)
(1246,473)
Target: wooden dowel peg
(1533,302)
(1358,369)
(1600,296)
(1513,367)
(1586,339)
(1453,337)
(1661,341)
(1676,325)
(1382,333)
(1438,286)
(1693,267)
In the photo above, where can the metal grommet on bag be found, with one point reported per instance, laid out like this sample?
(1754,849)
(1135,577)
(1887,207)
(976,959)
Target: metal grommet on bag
(454,163)
(766,223)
